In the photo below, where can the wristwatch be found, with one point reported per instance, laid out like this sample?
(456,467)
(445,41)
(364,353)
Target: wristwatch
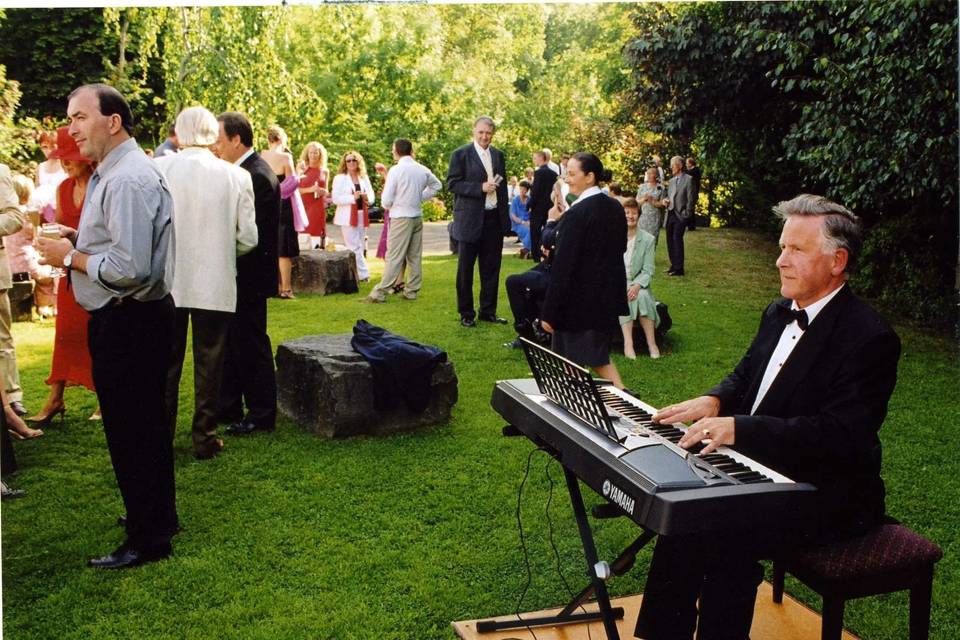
(68,259)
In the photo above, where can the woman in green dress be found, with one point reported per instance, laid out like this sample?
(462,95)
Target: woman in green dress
(638,261)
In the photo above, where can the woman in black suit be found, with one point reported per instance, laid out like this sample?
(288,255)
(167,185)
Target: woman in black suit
(588,285)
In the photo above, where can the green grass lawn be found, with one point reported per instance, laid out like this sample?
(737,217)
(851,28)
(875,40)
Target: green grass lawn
(289,536)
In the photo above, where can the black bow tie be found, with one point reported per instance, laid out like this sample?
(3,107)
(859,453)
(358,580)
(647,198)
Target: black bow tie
(789,315)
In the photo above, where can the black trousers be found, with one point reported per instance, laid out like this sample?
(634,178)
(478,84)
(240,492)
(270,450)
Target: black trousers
(723,571)
(488,251)
(130,349)
(209,331)
(8,461)
(537,221)
(248,374)
(675,230)
(526,292)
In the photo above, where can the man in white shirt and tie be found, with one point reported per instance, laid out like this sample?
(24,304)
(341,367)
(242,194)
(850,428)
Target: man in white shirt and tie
(480,220)
(409,184)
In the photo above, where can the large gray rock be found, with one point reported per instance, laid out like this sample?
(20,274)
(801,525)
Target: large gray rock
(21,301)
(324,272)
(328,387)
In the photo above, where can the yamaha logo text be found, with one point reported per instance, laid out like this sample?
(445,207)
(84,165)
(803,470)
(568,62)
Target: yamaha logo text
(616,495)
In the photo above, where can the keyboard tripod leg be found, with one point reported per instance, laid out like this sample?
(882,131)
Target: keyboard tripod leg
(590,553)
(620,566)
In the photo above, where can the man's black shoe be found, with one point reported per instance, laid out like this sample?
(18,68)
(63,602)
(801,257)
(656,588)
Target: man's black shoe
(122,521)
(244,428)
(514,344)
(489,317)
(9,493)
(675,273)
(17,407)
(467,322)
(126,558)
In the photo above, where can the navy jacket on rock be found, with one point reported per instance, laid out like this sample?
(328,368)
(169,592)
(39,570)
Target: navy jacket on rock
(402,368)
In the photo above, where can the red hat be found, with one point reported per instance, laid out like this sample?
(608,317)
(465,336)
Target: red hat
(67,148)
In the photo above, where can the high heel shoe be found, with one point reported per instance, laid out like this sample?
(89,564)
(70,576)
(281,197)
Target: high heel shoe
(30,435)
(44,420)
(287,294)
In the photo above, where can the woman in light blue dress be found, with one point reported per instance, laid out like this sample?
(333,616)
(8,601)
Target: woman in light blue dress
(652,200)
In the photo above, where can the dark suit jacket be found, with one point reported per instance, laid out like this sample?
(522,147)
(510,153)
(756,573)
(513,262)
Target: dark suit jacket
(819,420)
(680,192)
(465,179)
(257,270)
(588,282)
(543,180)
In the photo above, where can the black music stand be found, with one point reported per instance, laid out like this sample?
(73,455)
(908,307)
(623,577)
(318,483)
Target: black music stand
(572,387)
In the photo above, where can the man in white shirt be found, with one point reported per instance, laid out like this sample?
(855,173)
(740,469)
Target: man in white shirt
(409,184)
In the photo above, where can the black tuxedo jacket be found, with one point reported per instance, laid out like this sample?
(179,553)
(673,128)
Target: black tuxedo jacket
(465,179)
(543,180)
(257,270)
(819,421)
(588,282)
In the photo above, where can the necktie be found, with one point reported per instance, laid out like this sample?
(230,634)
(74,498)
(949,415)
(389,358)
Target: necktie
(789,315)
(491,200)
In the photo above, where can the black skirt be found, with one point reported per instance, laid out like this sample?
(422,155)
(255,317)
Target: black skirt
(588,347)
(287,244)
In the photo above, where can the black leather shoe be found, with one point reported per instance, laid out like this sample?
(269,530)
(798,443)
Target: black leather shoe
(127,558)
(122,521)
(468,322)
(245,427)
(515,344)
(489,317)
(18,408)
(676,273)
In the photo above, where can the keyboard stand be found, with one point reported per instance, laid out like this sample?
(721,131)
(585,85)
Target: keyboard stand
(607,614)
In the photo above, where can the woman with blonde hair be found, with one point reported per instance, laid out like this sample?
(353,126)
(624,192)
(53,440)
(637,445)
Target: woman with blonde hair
(353,194)
(313,189)
(280,159)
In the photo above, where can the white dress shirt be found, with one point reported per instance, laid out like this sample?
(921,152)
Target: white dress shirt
(587,193)
(792,334)
(487,161)
(408,185)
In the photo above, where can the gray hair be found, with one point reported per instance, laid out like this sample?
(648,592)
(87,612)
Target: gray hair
(197,127)
(676,160)
(840,227)
(486,120)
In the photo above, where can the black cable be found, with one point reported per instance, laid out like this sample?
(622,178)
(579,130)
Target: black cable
(553,545)
(523,542)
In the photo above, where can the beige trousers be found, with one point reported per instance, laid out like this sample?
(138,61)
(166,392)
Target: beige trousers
(404,245)
(9,375)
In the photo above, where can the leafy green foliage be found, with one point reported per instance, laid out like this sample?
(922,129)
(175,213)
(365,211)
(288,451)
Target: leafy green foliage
(853,100)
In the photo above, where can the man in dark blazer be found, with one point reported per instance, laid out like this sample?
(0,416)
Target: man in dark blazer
(680,195)
(539,201)
(480,220)
(808,400)
(248,374)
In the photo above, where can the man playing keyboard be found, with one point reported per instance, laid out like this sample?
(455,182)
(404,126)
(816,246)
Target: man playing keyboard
(807,399)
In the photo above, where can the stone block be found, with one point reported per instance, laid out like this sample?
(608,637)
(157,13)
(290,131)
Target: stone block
(324,272)
(328,387)
(21,301)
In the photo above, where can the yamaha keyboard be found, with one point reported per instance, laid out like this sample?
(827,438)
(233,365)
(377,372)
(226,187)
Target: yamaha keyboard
(643,471)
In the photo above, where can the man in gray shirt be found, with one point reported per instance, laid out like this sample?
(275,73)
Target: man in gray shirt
(116,262)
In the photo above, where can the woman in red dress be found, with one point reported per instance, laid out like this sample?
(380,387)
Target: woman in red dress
(313,190)
(71,356)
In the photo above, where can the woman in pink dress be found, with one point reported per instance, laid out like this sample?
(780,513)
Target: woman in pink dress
(313,189)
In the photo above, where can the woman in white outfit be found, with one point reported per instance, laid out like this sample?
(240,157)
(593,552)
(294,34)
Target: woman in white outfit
(353,194)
